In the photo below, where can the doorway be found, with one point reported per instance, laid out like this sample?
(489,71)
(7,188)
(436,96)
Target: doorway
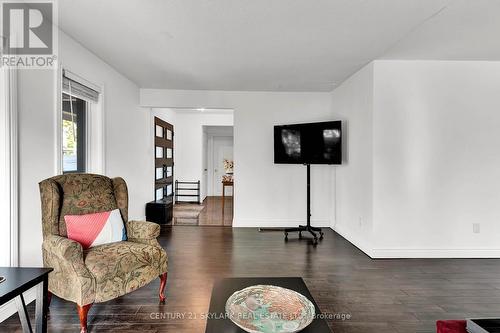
(222,151)
(219,149)
(196,131)
(219,158)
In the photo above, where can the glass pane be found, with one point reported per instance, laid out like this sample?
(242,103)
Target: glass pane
(69,146)
(169,189)
(73,134)
(159,173)
(159,152)
(169,171)
(169,134)
(159,131)
(159,194)
(169,152)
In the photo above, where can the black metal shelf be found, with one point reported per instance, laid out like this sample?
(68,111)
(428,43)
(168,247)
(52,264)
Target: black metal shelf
(197,189)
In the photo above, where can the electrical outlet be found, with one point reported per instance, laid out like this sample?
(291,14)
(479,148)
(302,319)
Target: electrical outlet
(476,228)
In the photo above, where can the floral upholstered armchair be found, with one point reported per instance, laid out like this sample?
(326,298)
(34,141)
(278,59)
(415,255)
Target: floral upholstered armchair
(103,272)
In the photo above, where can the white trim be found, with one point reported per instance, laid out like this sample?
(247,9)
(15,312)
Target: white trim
(151,148)
(434,253)
(354,240)
(204,164)
(101,141)
(210,165)
(10,126)
(277,223)
(58,121)
(14,167)
(88,138)
(411,253)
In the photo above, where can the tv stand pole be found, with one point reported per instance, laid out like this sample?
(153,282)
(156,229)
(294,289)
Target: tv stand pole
(307,228)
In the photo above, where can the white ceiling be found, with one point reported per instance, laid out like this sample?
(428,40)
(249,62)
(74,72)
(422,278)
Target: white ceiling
(275,45)
(464,30)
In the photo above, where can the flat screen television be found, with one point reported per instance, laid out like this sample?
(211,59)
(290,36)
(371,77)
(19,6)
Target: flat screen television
(312,143)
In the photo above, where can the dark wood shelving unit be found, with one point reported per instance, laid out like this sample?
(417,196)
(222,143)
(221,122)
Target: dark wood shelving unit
(160,210)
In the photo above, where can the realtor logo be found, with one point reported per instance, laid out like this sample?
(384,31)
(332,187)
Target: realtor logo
(29,32)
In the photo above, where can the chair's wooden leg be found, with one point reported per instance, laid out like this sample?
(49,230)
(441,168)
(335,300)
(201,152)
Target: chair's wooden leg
(163,282)
(82,314)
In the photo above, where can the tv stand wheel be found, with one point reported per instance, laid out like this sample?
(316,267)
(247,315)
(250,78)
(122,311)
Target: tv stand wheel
(286,236)
(300,234)
(321,235)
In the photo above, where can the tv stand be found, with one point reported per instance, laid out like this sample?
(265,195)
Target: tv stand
(308,227)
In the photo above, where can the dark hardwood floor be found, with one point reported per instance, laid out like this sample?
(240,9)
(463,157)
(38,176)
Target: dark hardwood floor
(378,295)
(212,213)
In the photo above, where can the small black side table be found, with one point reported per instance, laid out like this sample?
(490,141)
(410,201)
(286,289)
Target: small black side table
(17,281)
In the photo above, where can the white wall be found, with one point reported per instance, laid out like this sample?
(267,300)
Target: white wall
(352,102)
(126,137)
(265,194)
(37,141)
(189,142)
(423,161)
(436,158)
(127,134)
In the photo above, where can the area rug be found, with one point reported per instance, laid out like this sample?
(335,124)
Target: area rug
(186,213)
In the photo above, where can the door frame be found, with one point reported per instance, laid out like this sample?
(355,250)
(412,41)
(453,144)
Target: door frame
(211,165)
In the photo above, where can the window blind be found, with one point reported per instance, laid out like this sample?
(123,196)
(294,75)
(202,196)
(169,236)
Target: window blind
(79,87)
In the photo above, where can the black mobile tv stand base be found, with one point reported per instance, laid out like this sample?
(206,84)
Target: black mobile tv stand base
(307,228)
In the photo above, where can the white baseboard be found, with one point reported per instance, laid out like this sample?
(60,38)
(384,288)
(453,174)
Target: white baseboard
(411,253)
(9,308)
(390,253)
(353,239)
(277,223)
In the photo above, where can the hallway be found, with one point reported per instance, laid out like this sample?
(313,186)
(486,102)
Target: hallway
(210,215)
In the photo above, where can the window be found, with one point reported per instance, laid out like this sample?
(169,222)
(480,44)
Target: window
(79,97)
(74,134)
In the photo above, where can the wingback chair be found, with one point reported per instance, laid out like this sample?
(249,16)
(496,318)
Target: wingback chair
(103,272)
